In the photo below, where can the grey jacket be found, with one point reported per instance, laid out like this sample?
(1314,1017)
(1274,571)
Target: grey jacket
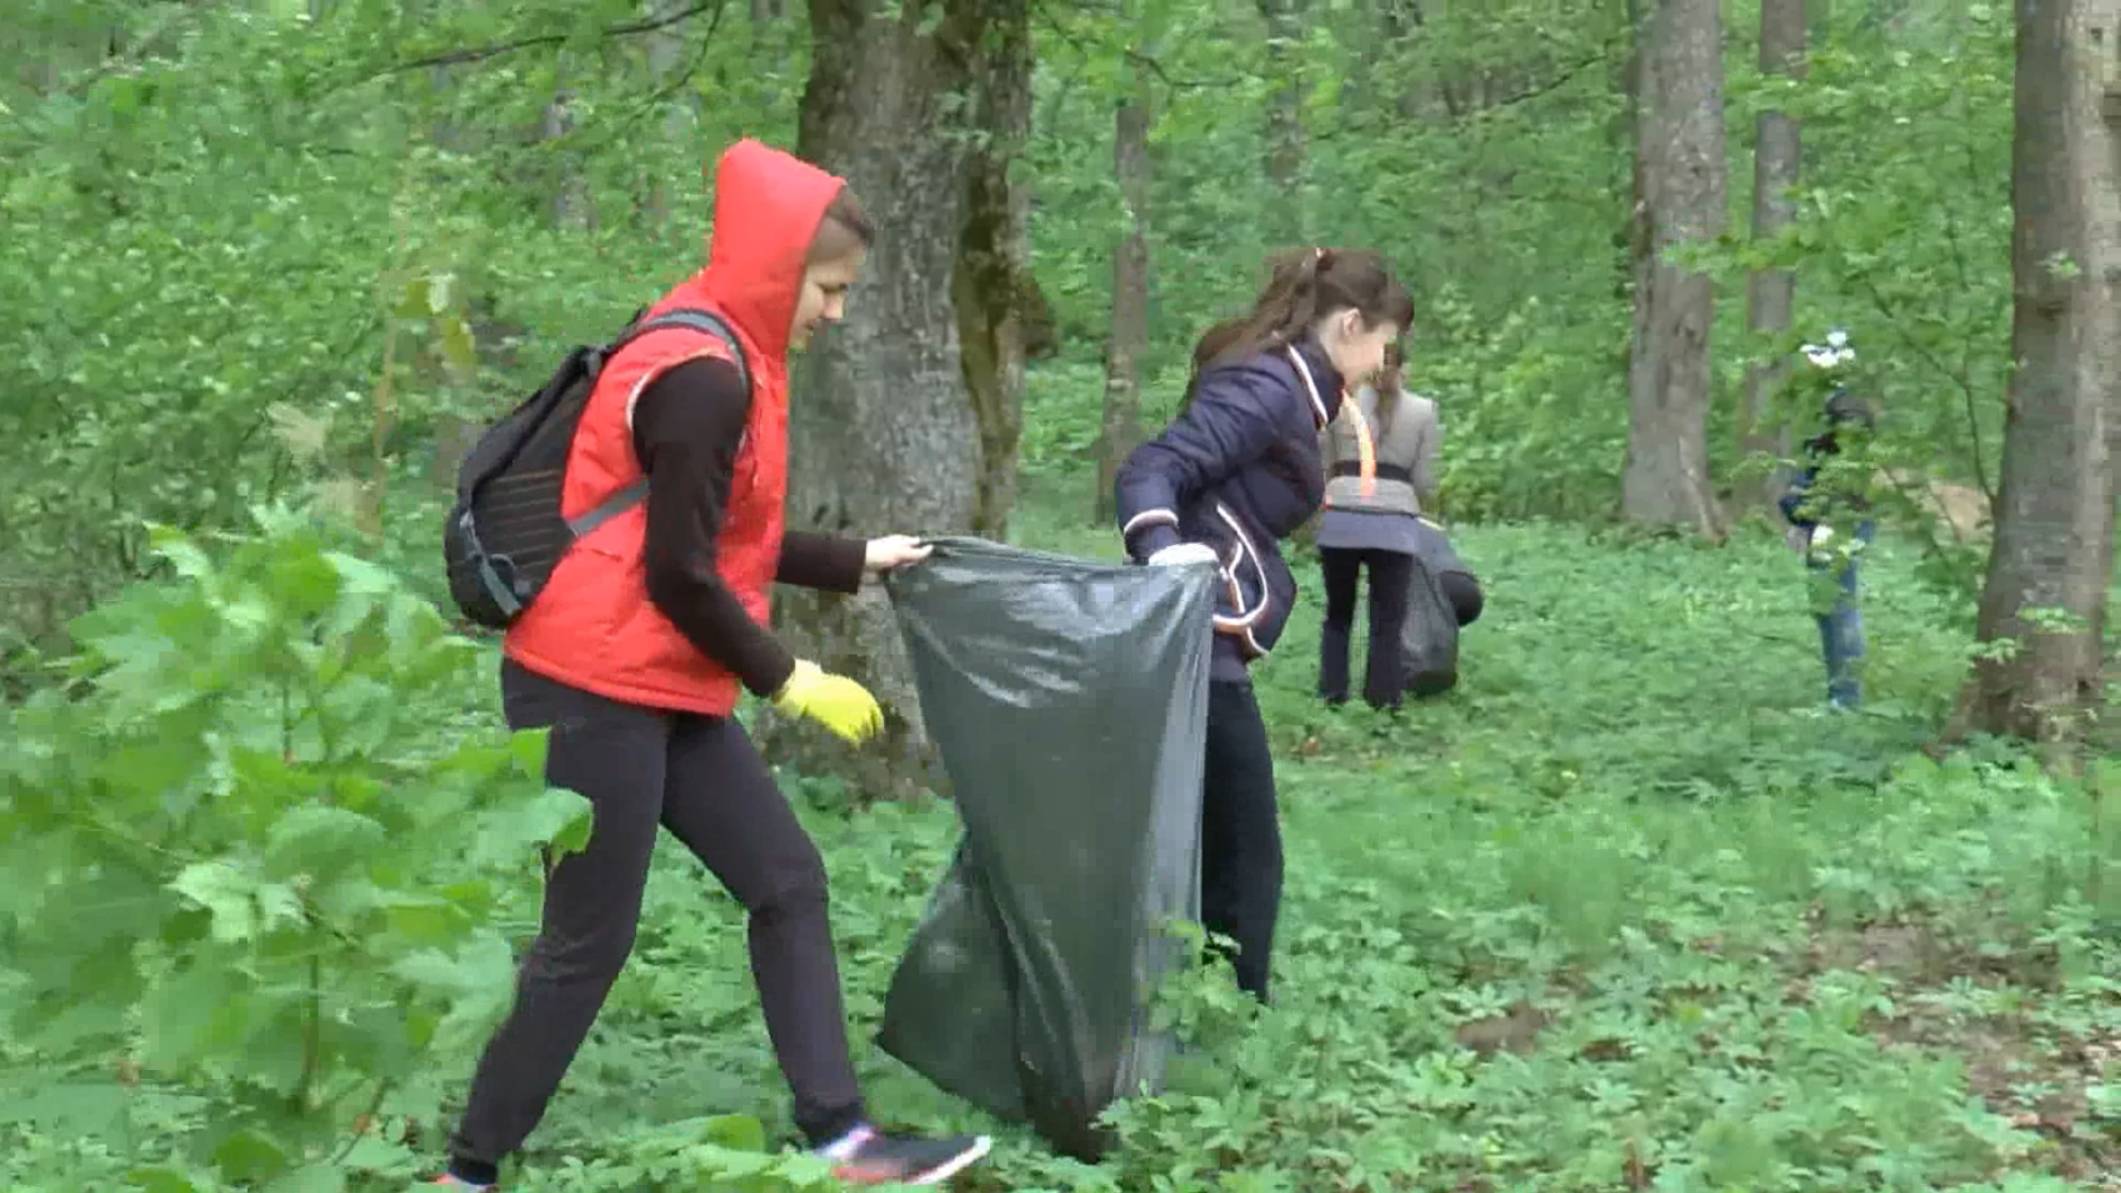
(1408,455)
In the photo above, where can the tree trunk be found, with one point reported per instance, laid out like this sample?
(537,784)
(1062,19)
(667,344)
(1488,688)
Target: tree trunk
(1129,342)
(1400,22)
(571,205)
(1770,293)
(884,432)
(2044,603)
(1285,120)
(993,265)
(1679,199)
(666,59)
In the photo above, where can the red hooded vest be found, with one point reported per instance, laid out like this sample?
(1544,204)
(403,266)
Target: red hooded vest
(593,625)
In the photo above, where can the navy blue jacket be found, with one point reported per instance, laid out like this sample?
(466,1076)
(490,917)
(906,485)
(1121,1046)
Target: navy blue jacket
(1239,470)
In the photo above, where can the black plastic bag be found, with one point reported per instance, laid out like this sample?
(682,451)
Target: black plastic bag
(1068,701)
(1428,642)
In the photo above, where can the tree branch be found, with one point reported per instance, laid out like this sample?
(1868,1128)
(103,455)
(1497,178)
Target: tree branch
(714,25)
(1965,384)
(1370,124)
(1134,56)
(495,50)
(1554,84)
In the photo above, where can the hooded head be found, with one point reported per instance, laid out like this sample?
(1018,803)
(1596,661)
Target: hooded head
(761,268)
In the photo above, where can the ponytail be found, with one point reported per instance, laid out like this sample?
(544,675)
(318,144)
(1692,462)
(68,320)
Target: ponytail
(1304,286)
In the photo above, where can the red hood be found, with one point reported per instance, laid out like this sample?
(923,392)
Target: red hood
(767,206)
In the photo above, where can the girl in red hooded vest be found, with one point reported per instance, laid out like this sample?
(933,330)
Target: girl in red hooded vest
(634,653)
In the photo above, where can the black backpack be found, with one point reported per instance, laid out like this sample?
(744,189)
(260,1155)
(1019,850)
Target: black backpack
(505,533)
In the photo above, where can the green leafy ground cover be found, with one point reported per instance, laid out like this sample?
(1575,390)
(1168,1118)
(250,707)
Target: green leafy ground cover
(1628,909)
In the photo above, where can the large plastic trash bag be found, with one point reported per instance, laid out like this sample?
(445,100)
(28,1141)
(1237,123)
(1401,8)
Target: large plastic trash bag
(1428,639)
(1068,702)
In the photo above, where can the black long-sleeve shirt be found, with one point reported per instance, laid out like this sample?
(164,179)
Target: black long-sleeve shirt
(687,428)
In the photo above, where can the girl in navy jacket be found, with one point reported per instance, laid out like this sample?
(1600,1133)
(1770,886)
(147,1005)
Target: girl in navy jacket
(1236,472)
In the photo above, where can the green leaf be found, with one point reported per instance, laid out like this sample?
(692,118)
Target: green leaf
(510,834)
(249,1156)
(313,1178)
(242,907)
(459,349)
(439,289)
(385,1157)
(742,1132)
(528,747)
(66,1108)
(321,840)
(161,1180)
(187,1017)
(227,893)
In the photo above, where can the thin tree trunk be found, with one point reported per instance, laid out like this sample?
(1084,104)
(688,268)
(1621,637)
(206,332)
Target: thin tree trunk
(1129,343)
(2044,602)
(885,427)
(666,58)
(1285,149)
(1680,199)
(993,264)
(1770,293)
(1401,21)
(571,206)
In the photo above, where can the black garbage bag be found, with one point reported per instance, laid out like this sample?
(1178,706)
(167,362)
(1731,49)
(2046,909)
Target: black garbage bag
(1428,641)
(1068,701)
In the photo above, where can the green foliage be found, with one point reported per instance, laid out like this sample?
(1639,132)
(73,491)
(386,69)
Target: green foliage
(1626,909)
(245,874)
(1903,239)
(216,216)
(249,250)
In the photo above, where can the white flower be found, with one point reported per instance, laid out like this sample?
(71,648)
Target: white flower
(1834,352)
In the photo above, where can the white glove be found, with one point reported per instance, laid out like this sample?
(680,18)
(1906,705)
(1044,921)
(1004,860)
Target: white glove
(1821,533)
(1182,554)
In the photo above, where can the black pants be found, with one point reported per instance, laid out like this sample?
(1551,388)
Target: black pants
(1384,674)
(700,777)
(1240,871)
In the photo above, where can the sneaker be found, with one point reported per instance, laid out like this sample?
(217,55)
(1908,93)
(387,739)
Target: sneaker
(450,1180)
(867,1156)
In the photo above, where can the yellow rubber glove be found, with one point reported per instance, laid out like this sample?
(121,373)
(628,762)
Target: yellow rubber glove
(834,701)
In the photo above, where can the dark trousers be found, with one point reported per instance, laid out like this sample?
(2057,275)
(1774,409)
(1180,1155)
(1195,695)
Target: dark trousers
(700,777)
(1384,674)
(1240,871)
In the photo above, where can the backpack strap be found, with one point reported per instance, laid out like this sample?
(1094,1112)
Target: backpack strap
(691,318)
(694,319)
